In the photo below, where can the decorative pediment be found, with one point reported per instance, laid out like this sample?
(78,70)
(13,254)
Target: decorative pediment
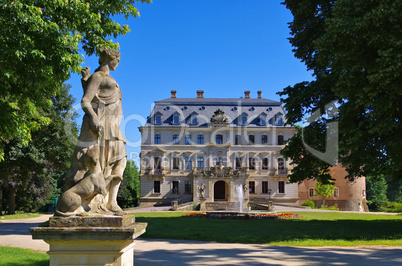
(219,117)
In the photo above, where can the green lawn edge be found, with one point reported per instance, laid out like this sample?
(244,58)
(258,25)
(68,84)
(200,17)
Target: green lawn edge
(20,256)
(313,229)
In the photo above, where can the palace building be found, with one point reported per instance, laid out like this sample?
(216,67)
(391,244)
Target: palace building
(217,150)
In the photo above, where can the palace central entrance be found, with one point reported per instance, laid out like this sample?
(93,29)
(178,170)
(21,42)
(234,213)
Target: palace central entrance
(220,191)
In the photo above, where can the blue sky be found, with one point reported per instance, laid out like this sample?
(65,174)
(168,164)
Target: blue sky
(222,47)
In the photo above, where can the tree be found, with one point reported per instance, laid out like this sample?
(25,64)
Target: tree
(129,191)
(394,190)
(376,191)
(354,50)
(40,43)
(33,171)
(324,190)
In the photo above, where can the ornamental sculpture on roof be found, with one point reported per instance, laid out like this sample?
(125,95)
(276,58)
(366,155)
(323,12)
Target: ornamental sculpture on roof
(219,117)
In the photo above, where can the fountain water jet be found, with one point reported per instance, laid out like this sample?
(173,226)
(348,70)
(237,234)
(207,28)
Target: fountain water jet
(240,196)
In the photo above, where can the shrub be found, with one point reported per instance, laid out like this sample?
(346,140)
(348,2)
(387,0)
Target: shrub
(390,207)
(330,208)
(309,203)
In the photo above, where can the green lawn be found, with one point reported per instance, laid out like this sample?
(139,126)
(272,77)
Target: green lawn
(313,229)
(19,216)
(18,256)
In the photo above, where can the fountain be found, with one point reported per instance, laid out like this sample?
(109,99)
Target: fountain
(240,196)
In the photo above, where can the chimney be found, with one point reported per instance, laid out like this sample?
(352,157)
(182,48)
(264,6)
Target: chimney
(173,92)
(200,94)
(247,94)
(259,94)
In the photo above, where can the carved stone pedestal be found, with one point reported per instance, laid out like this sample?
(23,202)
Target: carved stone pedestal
(203,205)
(99,240)
(270,206)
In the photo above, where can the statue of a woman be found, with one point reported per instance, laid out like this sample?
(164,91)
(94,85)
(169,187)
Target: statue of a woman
(99,160)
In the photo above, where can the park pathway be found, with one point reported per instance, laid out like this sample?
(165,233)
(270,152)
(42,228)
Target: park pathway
(15,233)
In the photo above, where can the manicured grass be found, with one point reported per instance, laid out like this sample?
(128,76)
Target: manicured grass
(19,256)
(313,229)
(19,216)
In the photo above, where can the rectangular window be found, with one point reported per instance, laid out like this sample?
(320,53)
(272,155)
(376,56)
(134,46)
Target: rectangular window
(158,119)
(187,162)
(200,139)
(157,186)
(280,139)
(175,187)
(264,139)
(281,187)
(281,166)
(176,163)
(244,120)
(251,187)
(250,139)
(238,163)
(175,139)
(194,120)
(219,160)
(251,163)
(219,139)
(263,120)
(157,163)
(187,187)
(188,140)
(237,140)
(176,119)
(265,187)
(200,162)
(264,164)
(157,139)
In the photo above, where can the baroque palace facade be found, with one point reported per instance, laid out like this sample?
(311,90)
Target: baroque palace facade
(215,150)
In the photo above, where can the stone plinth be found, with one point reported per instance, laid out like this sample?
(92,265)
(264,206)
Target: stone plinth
(203,205)
(106,240)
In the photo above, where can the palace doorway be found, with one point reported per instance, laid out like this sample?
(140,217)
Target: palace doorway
(221,191)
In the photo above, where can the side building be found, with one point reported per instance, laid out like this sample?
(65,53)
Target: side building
(219,150)
(348,195)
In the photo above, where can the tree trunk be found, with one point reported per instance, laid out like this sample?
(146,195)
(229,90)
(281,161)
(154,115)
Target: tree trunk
(11,207)
(1,199)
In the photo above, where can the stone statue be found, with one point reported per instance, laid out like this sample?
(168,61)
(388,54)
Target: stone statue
(99,160)
(201,190)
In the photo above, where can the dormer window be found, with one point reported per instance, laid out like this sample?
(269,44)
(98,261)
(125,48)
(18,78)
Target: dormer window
(243,119)
(263,119)
(176,119)
(158,118)
(279,119)
(194,119)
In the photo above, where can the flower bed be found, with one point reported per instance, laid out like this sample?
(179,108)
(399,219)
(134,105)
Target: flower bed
(242,216)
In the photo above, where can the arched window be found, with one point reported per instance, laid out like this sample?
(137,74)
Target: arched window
(336,192)
(219,139)
(200,139)
(311,192)
(157,139)
(265,163)
(280,139)
(175,139)
(264,139)
(251,139)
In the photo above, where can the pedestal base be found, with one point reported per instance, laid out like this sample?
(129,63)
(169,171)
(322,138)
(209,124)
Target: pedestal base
(85,245)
